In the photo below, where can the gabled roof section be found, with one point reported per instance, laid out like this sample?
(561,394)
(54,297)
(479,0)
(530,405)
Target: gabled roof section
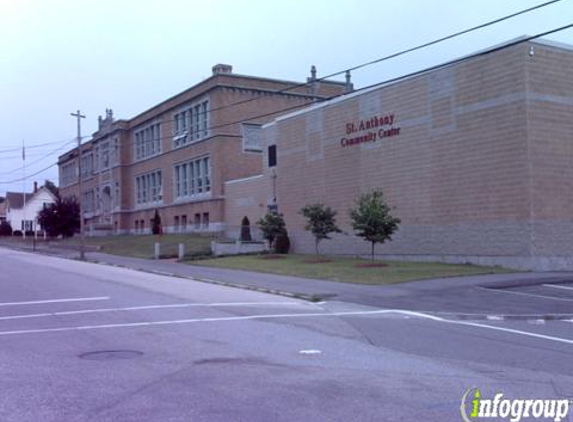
(16,199)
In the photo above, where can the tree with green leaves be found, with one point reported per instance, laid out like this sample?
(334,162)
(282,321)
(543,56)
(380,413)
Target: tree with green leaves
(272,224)
(320,221)
(372,220)
(61,218)
(156,223)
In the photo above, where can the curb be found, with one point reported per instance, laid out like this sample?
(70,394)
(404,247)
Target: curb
(533,318)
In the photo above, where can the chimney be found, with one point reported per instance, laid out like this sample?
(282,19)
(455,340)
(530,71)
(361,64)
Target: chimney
(349,86)
(312,80)
(35,187)
(221,68)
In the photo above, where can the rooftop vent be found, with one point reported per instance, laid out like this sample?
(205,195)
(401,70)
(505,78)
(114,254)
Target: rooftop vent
(222,68)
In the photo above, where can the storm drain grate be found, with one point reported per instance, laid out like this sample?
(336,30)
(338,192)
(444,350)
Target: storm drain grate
(111,355)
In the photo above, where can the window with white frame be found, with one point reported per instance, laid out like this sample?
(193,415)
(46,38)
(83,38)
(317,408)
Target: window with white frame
(68,173)
(191,123)
(88,201)
(148,141)
(149,188)
(192,178)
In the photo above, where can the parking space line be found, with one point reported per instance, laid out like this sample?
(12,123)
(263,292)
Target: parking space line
(558,287)
(152,307)
(39,302)
(525,294)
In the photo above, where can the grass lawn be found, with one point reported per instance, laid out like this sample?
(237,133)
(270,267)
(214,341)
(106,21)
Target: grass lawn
(142,246)
(347,269)
(135,246)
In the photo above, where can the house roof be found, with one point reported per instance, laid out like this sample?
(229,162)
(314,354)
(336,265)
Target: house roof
(16,199)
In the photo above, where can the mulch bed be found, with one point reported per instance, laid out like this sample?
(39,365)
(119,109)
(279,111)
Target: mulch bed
(371,265)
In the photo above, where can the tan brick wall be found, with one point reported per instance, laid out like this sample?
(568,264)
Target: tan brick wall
(463,174)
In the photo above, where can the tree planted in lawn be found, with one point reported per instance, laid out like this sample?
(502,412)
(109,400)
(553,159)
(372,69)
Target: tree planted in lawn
(156,223)
(320,221)
(61,218)
(272,224)
(372,220)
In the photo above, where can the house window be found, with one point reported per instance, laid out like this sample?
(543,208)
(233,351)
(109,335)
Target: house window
(149,188)
(191,123)
(272,155)
(192,178)
(147,141)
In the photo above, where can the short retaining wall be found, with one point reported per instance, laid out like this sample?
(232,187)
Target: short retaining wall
(237,248)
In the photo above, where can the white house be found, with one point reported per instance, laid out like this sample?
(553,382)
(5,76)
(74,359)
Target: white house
(23,214)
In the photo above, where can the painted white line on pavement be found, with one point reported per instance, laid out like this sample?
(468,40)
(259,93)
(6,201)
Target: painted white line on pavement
(38,302)
(525,294)
(286,316)
(152,307)
(555,286)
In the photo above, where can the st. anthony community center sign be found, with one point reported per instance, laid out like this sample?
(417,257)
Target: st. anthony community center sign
(369,130)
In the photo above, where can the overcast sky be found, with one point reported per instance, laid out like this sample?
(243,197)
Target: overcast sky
(57,56)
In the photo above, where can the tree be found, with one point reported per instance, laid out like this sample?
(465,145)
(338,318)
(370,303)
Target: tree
(5,229)
(320,221)
(61,217)
(156,223)
(246,230)
(272,224)
(372,220)
(48,184)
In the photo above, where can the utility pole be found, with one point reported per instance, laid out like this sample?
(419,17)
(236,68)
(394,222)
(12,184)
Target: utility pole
(79,117)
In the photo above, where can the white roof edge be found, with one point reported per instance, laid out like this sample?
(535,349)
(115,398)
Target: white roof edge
(244,179)
(345,97)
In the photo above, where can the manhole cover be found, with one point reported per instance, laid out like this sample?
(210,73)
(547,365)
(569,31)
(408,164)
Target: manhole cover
(111,355)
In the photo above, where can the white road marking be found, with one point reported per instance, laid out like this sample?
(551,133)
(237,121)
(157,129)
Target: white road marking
(286,316)
(310,352)
(38,302)
(151,307)
(525,294)
(558,287)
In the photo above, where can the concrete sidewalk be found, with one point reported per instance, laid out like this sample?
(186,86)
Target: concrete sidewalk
(460,297)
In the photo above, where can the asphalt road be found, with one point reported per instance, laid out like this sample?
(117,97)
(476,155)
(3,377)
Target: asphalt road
(87,342)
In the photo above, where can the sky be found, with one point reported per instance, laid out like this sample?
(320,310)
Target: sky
(59,56)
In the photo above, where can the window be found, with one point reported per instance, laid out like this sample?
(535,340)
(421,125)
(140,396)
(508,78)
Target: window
(149,188)
(137,226)
(87,165)
(191,124)
(148,141)
(192,178)
(88,201)
(206,220)
(105,155)
(272,155)
(176,222)
(184,222)
(197,221)
(68,174)
(117,199)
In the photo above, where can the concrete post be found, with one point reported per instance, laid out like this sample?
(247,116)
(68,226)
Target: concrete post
(157,250)
(181,251)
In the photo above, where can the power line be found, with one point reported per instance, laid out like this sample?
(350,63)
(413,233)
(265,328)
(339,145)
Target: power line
(32,146)
(357,67)
(388,81)
(388,57)
(40,159)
